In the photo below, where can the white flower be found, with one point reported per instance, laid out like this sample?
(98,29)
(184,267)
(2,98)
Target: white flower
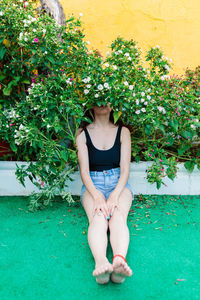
(158,46)
(137,101)
(26,3)
(20,35)
(45,52)
(88,79)
(116,53)
(106,85)
(107,52)
(86,91)
(25,39)
(135,47)
(44,31)
(143,109)
(88,86)
(170,60)
(148,97)
(167,67)
(106,65)
(166,57)
(125,83)
(161,109)
(96,95)
(88,42)
(145,103)
(149,90)
(126,54)
(137,112)
(130,58)
(80,14)
(115,67)
(162,77)
(120,51)
(34,30)
(153,47)
(1,13)
(192,126)
(131,87)
(142,100)
(133,94)
(142,94)
(85,80)
(21,126)
(100,87)
(136,54)
(48,125)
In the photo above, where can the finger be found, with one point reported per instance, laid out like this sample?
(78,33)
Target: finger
(107,211)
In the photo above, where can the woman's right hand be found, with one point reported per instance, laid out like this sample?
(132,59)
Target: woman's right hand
(100,205)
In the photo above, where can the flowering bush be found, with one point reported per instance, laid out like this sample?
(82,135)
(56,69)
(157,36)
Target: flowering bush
(59,80)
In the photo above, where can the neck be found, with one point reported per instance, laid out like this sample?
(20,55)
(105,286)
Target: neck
(102,121)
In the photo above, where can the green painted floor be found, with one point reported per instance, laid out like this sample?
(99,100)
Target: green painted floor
(45,255)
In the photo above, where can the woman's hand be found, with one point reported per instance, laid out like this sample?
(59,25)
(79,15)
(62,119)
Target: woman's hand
(112,203)
(100,205)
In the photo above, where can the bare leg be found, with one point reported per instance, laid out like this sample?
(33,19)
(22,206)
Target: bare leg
(119,237)
(97,239)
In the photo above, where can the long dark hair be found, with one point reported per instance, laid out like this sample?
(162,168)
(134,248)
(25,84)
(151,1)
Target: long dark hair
(90,114)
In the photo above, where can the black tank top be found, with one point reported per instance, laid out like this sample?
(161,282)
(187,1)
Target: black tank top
(100,160)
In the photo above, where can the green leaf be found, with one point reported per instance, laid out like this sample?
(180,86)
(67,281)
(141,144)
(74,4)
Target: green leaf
(116,115)
(2,77)
(187,134)
(170,141)
(147,129)
(26,81)
(2,52)
(137,158)
(174,124)
(189,165)
(13,146)
(183,148)
(64,155)
(7,90)
(51,59)
(162,128)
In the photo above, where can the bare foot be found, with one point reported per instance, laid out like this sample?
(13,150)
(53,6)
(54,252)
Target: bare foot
(120,270)
(102,272)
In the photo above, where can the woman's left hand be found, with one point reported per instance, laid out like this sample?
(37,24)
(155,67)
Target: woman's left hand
(112,203)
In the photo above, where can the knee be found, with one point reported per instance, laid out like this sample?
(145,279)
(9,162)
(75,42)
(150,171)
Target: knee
(99,221)
(117,217)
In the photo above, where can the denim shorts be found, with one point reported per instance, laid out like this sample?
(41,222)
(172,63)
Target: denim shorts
(105,181)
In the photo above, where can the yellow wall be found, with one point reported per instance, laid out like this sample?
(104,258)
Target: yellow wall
(174,25)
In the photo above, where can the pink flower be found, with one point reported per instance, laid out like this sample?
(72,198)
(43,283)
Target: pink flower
(36,40)
(61,70)
(160,160)
(149,154)
(32,79)
(71,79)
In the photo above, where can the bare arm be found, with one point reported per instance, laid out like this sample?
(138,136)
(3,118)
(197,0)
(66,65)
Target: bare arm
(124,160)
(84,163)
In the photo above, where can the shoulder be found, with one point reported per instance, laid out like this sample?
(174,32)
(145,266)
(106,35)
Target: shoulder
(125,133)
(80,136)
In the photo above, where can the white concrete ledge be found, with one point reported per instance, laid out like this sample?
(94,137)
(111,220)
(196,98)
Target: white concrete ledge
(185,183)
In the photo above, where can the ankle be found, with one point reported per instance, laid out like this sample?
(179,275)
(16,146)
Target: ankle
(101,260)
